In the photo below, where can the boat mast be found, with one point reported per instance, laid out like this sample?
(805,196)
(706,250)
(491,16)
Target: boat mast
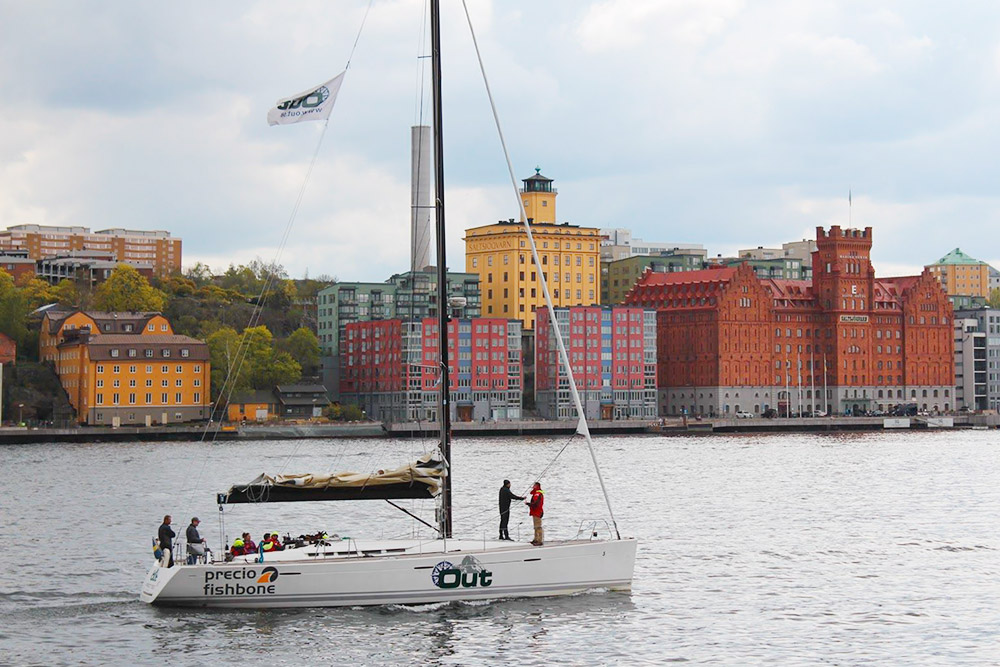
(444,408)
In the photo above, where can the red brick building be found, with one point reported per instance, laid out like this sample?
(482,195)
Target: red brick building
(845,341)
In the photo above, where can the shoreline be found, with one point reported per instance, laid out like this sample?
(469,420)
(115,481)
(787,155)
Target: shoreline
(671,426)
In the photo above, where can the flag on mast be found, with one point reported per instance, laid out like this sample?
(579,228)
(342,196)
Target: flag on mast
(313,104)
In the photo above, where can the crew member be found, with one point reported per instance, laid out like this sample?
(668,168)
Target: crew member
(506,495)
(195,542)
(535,504)
(239,548)
(166,536)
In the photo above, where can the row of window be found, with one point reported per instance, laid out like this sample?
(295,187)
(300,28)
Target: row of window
(116,399)
(149,383)
(149,369)
(148,353)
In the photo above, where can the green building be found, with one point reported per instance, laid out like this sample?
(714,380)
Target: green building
(618,276)
(410,295)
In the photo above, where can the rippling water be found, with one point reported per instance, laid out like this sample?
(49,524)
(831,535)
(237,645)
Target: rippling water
(834,549)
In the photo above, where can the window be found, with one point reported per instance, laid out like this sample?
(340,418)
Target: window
(177,397)
(131,399)
(131,369)
(100,399)
(149,398)
(148,353)
(100,368)
(164,383)
(197,382)
(163,327)
(131,352)
(151,327)
(163,398)
(114,353)
(197,369)
(114,399)
(166,352)
(149,369)
(197,397)
(149,383)
(164,369)
(180,368)
(131,383)
(116,369)
(179,383)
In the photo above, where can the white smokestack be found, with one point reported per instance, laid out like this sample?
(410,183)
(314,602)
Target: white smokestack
(420,197)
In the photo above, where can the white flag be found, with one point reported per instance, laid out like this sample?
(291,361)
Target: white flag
(313,104)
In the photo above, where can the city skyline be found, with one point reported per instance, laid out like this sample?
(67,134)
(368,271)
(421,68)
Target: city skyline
(711,122)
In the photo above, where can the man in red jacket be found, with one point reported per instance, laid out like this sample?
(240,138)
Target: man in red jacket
(535,504)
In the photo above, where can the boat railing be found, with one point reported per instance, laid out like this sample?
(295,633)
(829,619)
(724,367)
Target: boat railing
(591,529)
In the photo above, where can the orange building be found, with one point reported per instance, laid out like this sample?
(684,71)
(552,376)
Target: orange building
(729,342)
(127,368)
(257,406)
(135,379)
(132,246)
(56,324)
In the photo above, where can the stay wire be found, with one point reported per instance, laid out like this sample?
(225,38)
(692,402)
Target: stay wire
(582,424)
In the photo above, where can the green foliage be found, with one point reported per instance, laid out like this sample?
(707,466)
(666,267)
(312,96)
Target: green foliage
(13,310)
(303,346)
(67,293)
(127,290)
(250,360)
(351,413)
(333,412)
(993,301)
(36,292)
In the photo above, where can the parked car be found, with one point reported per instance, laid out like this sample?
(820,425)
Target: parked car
(744,415)
(820,413)
(770,413)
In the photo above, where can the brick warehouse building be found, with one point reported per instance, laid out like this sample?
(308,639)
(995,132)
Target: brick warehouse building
(390,368)
(728,341)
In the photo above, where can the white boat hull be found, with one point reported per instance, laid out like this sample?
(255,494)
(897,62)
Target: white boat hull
(411,573)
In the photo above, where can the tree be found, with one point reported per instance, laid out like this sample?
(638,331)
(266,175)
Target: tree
(13,310)
(303,345)
(994,299)
(67,293)
(127,290)
(36,292)
(250,361)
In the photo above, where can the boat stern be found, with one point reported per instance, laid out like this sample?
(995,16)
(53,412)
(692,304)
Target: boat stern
(155,581)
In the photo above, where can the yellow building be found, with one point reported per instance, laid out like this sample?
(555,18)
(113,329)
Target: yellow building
(127,368)
(961,275)
(508,278)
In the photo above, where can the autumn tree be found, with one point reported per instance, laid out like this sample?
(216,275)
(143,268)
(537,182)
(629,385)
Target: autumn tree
(128,290)
(13,309)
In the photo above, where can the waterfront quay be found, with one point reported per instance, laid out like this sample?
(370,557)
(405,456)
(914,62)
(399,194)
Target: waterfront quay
(527,428)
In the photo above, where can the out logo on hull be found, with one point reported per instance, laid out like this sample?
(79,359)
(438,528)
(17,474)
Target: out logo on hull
(469,574)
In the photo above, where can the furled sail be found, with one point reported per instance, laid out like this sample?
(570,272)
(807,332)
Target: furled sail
(420,479)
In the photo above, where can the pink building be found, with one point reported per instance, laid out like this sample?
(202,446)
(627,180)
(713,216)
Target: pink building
(612,350)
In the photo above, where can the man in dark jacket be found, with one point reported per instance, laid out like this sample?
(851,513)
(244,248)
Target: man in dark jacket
(166,536)
(195,542)
(506,495)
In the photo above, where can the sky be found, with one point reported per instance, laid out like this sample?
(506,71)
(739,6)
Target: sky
(727,123)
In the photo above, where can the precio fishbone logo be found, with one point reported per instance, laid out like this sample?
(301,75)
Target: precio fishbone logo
(230,582)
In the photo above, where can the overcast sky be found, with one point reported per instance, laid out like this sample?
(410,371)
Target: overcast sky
(727,123)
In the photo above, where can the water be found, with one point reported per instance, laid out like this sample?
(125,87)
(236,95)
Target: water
(795,549)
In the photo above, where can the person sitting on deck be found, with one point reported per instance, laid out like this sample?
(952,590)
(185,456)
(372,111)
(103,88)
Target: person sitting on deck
(248,544)
(271,542)
(239,547)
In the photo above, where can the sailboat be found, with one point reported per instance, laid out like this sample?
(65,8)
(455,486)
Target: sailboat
(328,573)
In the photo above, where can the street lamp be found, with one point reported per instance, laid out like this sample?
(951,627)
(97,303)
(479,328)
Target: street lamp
(20,407)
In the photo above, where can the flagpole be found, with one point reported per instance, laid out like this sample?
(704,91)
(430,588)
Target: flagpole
(812,378)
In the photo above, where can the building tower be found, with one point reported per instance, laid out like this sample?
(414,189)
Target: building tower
(844,282)
(539,198)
